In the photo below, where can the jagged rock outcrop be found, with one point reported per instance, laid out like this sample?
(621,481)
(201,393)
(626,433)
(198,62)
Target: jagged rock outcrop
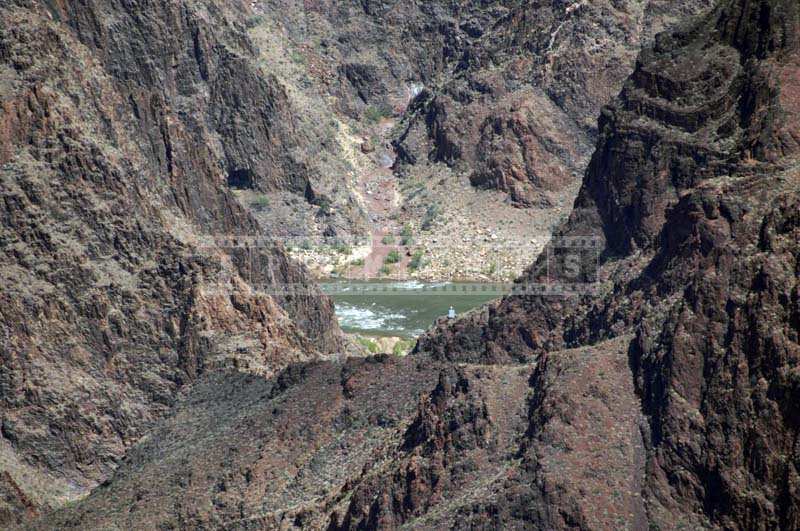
(666,397)
(505,92)
(450,425)
(120,124)
(696,168)
(524,123)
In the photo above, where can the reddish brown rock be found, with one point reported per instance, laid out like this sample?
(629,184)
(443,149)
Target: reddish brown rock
(15,506)
(524,123)
(119,126)
(665,399)
(695,188)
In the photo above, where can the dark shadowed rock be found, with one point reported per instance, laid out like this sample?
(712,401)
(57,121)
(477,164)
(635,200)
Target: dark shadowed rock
(696,168)
(121,123)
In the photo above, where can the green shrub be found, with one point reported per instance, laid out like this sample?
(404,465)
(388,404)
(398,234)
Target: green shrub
(393,257)
(325,207)
(254,21)
(430,216)
(416,260)
(357,262)
(385,269)
(371,346)
(402,347)
(260,203)
(374,114)
(407,241)
(298,58)
(388,240)
(342,248)
(406,232)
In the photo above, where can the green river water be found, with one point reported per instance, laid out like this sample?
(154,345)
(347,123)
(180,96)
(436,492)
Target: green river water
(402,309)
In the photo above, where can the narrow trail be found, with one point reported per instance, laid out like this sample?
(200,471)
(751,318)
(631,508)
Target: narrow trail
(382,197)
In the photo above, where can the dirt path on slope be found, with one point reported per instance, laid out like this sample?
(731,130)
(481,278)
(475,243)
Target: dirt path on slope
(382,198)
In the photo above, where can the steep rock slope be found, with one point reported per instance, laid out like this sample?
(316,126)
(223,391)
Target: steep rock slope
(247,452)
(515,106)
(385,443)
(665,399)
(694,186)
(471,104)
(121,125)
(509,90)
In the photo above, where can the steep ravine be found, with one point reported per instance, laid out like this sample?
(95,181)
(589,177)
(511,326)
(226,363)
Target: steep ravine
(120,127)
(494,106)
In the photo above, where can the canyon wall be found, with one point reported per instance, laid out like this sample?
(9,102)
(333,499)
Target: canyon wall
(663,397)
(128,268)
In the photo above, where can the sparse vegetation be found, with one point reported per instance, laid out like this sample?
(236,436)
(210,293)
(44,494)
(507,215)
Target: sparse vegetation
(358,262)
(431,214)
(371,346)
(375,114)
(298,57)
(393,257)
(406,235)
(385,269)
(254,21)
(416,260)
(325,207)
(260,203)
(403,347)
(342,248)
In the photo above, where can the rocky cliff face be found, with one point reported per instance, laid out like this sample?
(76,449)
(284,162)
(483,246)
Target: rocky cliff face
(664,398)
(516,107)
(693,188)
(122,125)
(508,90)
(490,103)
